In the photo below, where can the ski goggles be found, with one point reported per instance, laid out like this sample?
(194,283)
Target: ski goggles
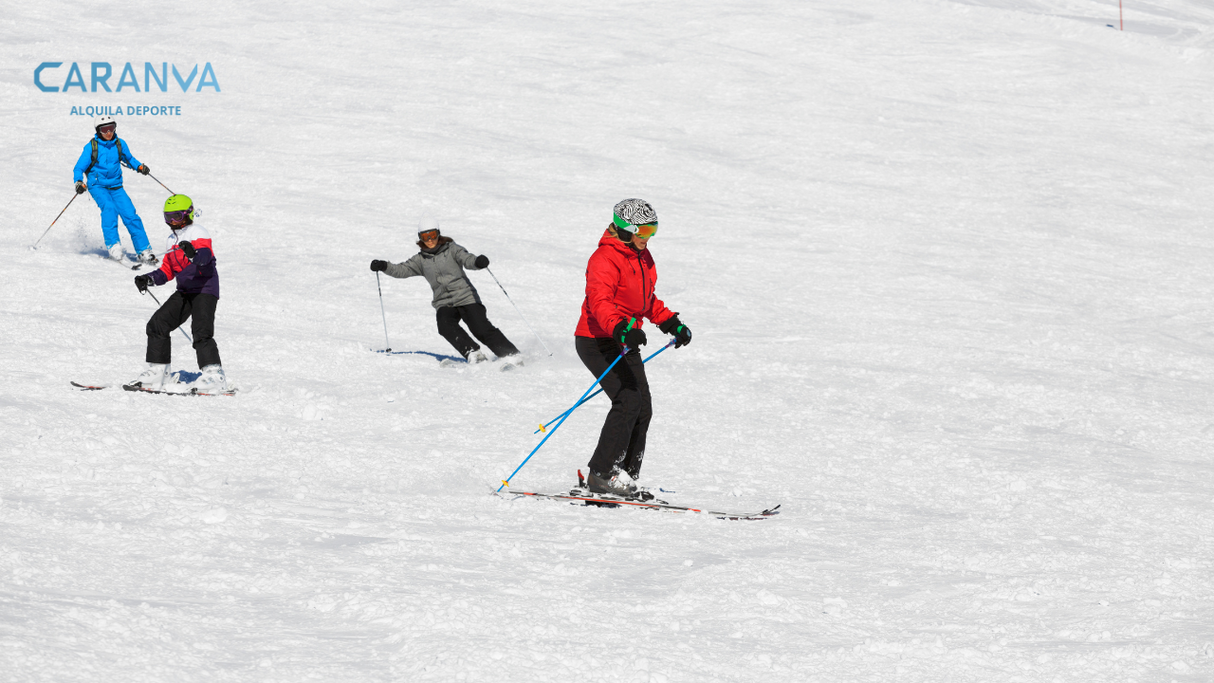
(108,128)
(428,235)
(177,217)
(644,231)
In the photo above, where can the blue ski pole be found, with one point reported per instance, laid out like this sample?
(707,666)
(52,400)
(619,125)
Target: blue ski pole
(506,481)
(544,427)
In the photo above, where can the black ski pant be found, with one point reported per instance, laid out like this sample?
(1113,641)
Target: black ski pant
(200,310)
(622,440)
(474,316)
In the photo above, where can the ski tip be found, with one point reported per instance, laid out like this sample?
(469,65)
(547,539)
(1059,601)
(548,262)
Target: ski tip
(749,516)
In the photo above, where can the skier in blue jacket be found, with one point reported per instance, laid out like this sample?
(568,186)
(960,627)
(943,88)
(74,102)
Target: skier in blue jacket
(101,161)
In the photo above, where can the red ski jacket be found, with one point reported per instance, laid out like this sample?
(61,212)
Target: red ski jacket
(619,286)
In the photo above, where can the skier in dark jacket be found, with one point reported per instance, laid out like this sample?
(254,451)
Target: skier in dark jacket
(101,162)
(442,262)
(620,279)
(190,260)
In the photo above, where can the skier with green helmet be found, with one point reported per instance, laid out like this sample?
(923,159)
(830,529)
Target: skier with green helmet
(190,259)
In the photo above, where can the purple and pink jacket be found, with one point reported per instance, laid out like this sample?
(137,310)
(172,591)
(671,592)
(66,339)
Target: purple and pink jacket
(199,276)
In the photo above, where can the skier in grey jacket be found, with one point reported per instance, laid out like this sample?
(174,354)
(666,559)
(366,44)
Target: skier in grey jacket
(442,262)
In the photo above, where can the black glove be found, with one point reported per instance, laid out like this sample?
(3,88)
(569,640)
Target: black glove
(682,335)
(378,265)
(143,168)
(142,282)
(632,338)
(482,261)
(80,188)
(188,249)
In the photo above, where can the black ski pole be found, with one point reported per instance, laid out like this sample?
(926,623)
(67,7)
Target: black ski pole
(520,313)
(387,344)
(161,184)
(149,174)
(149,293)
(48,229)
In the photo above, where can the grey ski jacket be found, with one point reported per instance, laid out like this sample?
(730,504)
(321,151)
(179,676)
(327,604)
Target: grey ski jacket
(444,270)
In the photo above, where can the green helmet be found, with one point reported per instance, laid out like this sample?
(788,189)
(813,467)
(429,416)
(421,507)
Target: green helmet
(178,211)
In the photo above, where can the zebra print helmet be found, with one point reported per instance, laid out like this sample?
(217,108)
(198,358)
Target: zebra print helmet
(630,213)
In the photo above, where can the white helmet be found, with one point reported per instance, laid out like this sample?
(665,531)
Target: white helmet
(99,121)
(426,224)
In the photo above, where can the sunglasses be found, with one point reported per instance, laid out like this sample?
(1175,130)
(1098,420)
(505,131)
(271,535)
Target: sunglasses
(428,235)
(176,217)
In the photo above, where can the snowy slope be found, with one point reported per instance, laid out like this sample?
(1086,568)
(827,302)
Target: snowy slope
(947,263)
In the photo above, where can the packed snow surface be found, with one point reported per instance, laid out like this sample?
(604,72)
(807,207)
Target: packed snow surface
(948,265)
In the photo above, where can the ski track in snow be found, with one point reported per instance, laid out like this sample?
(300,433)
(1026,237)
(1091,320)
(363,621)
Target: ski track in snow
(947,265)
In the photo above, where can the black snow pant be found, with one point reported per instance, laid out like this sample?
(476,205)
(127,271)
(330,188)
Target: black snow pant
(474,316)
(200,310)
(622,441)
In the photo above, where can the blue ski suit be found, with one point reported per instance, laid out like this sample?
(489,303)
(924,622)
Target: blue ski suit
(105,185)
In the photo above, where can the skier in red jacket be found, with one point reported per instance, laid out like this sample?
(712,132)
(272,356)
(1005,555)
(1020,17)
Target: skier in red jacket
(620,279)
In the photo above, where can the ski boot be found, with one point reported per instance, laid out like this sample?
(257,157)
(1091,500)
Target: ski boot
(612,484)
(151,379)
(212,381)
